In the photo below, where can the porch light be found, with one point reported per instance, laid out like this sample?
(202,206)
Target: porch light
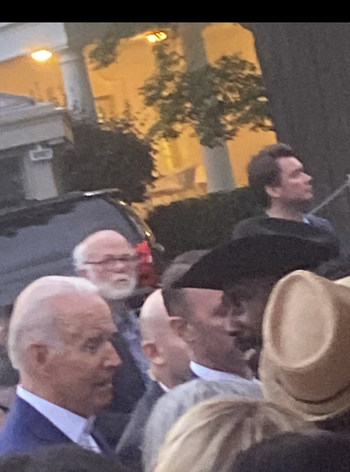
(42,55)
(156,36)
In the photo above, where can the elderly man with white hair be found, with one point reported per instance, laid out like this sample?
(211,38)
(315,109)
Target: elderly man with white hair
(60,339)
(107,259)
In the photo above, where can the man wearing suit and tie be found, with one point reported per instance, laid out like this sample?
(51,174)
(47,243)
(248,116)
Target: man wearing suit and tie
(60,341)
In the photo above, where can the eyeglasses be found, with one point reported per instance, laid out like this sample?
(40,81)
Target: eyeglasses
(113,260)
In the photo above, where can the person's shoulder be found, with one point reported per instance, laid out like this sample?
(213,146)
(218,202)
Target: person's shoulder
(322,223)
(248,225)
(318,220)
(153,392)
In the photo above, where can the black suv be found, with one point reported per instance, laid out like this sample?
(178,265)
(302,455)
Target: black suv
(38,238)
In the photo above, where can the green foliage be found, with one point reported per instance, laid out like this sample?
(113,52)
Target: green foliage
(216,100)
(105,156)
(105,52)
(201,223)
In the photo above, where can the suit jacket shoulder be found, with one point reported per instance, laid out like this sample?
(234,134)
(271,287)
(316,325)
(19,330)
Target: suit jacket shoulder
(25,429)
(320,222)
(128,448)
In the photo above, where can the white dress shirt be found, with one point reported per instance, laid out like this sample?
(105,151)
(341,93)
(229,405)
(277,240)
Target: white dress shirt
(74,426)
(211,374)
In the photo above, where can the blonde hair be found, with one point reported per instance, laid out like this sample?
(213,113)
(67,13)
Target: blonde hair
(210,435)
(171,406)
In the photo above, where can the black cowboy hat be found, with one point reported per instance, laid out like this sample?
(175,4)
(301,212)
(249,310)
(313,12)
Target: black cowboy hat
(264,248)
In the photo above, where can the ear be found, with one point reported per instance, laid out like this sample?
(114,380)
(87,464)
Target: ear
(152,352)
(180,326)
(273,191)
(39,356)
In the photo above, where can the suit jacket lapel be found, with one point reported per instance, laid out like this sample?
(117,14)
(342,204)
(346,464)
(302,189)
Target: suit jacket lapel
(22,412)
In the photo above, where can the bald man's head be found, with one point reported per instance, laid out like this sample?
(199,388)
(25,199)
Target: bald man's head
(107,259)
(154,318)
(166,351)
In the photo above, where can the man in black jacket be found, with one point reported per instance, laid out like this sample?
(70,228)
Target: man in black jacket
(169,366)
(283,187)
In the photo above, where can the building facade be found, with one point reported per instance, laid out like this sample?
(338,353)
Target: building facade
(70,79)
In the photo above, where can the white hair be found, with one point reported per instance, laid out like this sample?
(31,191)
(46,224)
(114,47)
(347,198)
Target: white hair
(34,318)
(78,255)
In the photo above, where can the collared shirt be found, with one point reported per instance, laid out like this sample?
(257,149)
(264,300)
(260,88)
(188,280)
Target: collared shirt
(74,426)
(212,374)
(162,386)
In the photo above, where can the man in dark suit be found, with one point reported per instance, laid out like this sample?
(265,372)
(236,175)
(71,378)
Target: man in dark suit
(169,366)
(60,341)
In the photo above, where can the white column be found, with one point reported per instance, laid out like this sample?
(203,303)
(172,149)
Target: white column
(77,85)
(216,160)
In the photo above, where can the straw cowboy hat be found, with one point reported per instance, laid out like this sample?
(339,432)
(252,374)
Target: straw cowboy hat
(305,360)
(265,247)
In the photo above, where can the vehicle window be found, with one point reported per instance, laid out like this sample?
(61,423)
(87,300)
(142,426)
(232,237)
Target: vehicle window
(41,240)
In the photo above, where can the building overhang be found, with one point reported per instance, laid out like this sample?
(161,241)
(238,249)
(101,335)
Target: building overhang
(23,121)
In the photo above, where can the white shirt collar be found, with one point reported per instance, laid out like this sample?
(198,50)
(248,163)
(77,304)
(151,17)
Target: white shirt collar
(163,386)
(72,425)
(212,374)
(152,376)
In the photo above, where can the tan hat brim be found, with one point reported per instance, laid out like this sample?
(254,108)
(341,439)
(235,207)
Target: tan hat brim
(309,411)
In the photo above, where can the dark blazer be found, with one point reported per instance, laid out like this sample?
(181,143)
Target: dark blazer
(25,429)
(128,383)
(129,446)
(319,222)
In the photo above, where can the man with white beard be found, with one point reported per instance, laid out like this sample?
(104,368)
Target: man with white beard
(109,261)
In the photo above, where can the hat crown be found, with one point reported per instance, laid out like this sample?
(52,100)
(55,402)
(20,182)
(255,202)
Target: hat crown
(296,332)
(261,247)
(305,363)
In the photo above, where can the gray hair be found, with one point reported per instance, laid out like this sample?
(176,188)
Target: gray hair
(78,255)
(34,319)
(171,406)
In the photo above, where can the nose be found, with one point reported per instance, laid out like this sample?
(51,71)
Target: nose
(119,265)
(233,323)
(112,357)
(228,323)
(238,324)
(309,178)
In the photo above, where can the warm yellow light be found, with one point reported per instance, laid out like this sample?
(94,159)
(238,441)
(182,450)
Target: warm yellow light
(156,36)
(42,55)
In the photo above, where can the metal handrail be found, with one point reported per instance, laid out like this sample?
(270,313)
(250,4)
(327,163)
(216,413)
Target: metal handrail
(332,196)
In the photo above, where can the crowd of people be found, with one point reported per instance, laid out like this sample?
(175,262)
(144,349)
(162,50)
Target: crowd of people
(235,361)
